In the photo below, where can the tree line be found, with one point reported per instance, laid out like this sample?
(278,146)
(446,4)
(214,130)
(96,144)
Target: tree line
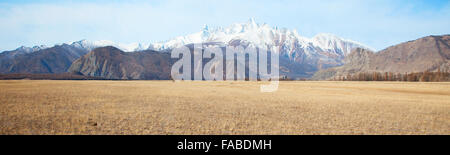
(427,76)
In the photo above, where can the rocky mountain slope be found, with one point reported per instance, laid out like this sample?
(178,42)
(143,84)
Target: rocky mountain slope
(56,59)
(425,54)
(112,63)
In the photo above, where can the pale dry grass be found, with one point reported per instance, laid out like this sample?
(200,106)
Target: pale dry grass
(166,107)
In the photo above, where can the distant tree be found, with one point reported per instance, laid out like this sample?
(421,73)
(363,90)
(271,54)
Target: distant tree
(439,75)
(385,76)
(374,76)
(426,76)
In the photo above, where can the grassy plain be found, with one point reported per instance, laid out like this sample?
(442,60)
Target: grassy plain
(166,107)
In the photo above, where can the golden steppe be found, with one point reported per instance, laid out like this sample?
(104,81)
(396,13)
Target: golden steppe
(228,107)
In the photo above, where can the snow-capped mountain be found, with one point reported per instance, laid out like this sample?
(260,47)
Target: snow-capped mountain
(259,35)
(19,51)
(87,45)
(323,49)
(90,45)
(24,49)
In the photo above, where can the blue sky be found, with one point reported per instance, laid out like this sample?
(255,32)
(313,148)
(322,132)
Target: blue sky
(376,23)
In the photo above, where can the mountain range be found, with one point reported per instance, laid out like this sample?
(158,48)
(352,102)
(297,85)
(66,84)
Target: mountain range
(56,59)
(112,63)
(430,54)
(321,57)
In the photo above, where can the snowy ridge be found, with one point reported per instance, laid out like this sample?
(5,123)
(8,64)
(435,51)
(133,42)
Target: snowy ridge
(31,49)
(260,35)
(90,45)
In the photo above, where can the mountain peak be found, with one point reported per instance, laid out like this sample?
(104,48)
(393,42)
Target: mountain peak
(31,49)
(205,27)
(252,22)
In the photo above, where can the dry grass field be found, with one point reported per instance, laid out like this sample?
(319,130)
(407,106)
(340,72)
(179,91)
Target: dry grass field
(166,107)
